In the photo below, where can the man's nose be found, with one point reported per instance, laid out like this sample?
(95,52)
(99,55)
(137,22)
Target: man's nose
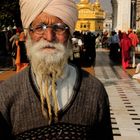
(49,35)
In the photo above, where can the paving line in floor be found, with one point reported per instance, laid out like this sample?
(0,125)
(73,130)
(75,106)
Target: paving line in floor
(124,96)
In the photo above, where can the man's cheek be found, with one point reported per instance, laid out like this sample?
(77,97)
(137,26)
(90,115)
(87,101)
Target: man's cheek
(35,37)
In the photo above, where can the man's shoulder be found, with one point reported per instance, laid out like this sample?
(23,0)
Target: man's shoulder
(88,78)
(85,76)
(15,79)
(92,87)
(14,86)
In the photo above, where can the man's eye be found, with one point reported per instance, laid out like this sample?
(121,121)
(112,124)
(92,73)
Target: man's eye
(39,28)
(58,28)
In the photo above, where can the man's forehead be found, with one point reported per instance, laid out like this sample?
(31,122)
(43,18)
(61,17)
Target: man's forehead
(46,18)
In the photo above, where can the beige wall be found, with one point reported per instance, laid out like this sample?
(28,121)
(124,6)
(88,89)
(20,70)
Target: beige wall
(121,14)
(138,15)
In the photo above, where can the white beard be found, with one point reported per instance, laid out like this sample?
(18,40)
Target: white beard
(35,51)
(44,63)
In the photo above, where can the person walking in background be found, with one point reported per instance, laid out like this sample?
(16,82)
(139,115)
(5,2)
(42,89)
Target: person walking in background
(14,38)
(114,43)
(51,98)
(21,55)
(98,41)
(134,41)
(125,45)
(120,34)
(104,40)
(77,46)
(89,40)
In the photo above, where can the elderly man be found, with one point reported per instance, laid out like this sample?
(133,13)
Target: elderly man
(52,99)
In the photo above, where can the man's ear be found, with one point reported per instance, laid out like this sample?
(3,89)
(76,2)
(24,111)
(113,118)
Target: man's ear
(26,34)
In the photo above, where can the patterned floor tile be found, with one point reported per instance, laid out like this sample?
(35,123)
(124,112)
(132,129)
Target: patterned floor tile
(124,96)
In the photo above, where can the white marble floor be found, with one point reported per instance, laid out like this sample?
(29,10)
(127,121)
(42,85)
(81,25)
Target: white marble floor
(124,96)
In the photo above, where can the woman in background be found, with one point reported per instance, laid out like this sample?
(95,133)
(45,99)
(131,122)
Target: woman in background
(125,46)
(21,57)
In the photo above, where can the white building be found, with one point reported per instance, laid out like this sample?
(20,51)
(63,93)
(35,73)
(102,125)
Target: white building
(121,15)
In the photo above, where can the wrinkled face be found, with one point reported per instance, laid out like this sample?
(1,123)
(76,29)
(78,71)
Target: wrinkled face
(47,35)
(47,42)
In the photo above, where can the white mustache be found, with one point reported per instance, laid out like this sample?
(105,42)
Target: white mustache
(45,44)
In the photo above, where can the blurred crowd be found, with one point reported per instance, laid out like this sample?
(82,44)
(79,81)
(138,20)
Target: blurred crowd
(122,47)
(12,48)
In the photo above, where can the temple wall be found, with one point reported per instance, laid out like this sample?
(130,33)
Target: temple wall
(90,16)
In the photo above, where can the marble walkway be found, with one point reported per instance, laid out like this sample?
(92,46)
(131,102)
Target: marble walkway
(124,96)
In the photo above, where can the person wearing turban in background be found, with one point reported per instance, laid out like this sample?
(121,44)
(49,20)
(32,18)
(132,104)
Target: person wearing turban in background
(51,98)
